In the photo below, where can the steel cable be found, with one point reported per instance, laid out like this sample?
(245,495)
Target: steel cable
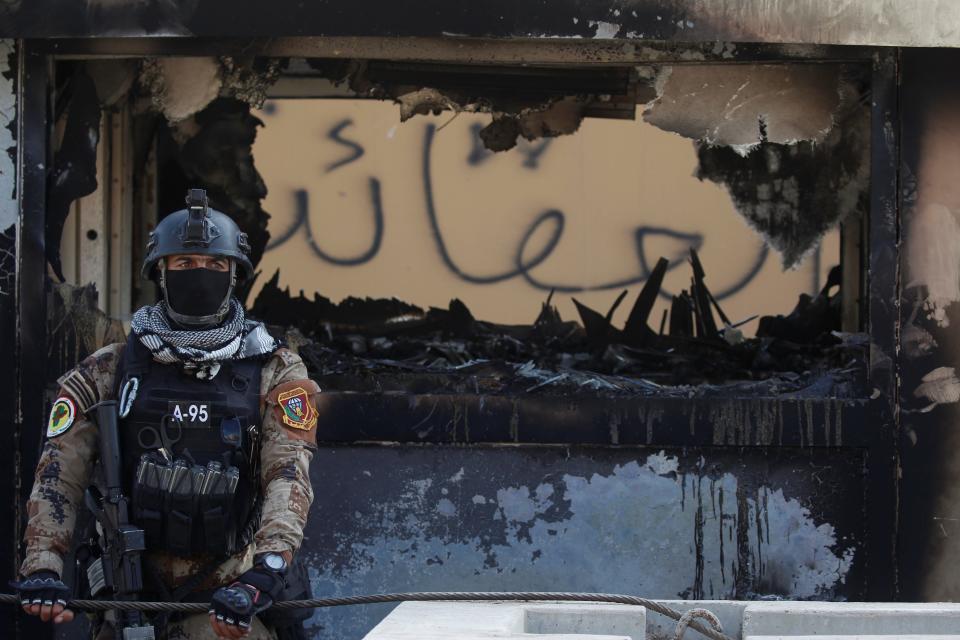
(427,596)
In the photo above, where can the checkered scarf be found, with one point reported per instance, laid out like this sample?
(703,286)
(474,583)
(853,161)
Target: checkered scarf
(201,350)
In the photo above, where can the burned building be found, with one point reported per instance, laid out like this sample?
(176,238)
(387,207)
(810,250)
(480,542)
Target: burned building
(629,433)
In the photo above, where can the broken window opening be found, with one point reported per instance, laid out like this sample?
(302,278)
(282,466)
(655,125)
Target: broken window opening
(791,184)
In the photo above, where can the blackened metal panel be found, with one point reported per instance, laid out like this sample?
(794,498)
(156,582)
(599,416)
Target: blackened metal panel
(585,419)
(8,310)
(31,345)
(674,523)
(905,23)
(883,288)
(573,51)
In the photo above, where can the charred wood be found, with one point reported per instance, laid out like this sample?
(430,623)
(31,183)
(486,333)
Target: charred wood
(388,345)
(636,331)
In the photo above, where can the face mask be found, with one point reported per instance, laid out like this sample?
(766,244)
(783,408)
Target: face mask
(196,292)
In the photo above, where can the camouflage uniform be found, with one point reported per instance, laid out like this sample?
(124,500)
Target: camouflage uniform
(64,472)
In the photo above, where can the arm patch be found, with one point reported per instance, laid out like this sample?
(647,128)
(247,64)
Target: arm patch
(63,414)
(294,404)
(83,390)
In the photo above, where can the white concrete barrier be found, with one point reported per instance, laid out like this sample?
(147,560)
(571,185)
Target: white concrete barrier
(783,620)
(511,621)
(876,637)
(849,619)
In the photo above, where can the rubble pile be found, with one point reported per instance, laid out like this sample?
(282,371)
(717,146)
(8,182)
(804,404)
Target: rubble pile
(389,345)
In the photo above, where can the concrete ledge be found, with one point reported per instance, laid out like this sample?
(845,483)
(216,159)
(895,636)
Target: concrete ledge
(797,619)
(875,637)
(748,620)
(511,621)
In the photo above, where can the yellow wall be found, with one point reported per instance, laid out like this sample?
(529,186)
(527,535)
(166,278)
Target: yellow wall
(608,180)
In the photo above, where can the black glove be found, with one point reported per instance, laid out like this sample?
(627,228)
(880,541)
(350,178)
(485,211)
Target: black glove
(43,588)
(254,591)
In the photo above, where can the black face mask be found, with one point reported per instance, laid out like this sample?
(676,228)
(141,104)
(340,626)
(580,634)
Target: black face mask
(197,292)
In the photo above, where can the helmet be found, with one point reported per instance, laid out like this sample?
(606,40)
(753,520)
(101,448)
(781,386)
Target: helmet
(204,231)
(198,230)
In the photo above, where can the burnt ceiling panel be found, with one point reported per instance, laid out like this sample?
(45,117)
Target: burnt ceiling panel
(858,22)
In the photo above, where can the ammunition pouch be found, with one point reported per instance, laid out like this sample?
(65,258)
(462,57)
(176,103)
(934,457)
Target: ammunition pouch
(183,507)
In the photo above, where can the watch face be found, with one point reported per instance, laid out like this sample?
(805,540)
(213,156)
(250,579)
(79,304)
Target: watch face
(274,561)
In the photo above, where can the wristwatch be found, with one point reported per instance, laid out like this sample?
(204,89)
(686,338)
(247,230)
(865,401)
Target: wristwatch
(272,561)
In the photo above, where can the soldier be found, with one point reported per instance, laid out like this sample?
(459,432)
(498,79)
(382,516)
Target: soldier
(217,428)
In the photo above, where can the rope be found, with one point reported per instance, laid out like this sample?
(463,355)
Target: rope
(427,596)
(690,615)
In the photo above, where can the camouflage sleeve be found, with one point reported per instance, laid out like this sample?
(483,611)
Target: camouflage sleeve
(63,472)
(289,440)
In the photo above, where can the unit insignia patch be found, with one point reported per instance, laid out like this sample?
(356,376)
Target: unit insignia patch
(62,414)
(298,412)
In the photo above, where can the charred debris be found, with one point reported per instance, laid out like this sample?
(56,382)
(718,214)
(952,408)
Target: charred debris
(692,350)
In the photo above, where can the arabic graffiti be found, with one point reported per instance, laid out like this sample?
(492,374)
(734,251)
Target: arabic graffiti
(525,261)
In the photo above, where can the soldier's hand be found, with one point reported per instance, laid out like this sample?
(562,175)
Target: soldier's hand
(232,608)
(43,594)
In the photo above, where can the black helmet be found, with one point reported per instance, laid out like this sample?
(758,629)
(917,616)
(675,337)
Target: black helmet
(200,230)
(204,231)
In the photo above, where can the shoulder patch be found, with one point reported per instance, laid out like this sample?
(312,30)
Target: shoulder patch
(294,403)
(62,415)
(298,411)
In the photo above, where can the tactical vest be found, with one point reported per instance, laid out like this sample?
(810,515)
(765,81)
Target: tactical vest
(190,451)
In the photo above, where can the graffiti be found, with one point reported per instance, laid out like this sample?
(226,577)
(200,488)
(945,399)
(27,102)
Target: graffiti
(356,149)
(523,267)
(525,261)
(302,220)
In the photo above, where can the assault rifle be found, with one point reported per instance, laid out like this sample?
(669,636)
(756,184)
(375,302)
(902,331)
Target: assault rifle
(122,543)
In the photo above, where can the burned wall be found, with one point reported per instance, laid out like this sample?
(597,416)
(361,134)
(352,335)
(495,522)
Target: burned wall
(500,475)
(699,524)
(8,150)
(930,316)
(790,143)
(728,510)
(8,311)
(905,23)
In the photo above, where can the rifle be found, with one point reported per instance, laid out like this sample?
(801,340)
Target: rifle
(122,540)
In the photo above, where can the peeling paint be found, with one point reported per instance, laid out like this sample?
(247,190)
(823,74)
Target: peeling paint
(793,193)
(426,101)
(517,504)
(180,87)
(933,259)
(8,118)
(604,30)
(743,105)
(654,529)
(537,103)
(790,142)
(940,386)
(562,117)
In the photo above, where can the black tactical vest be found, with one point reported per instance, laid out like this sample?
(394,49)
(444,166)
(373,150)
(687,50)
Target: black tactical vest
(183,427)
